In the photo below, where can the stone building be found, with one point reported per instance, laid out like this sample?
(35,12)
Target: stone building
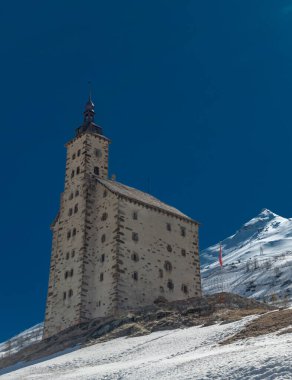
(114,247)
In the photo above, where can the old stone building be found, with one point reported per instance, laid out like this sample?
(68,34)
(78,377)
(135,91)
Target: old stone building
(114,247)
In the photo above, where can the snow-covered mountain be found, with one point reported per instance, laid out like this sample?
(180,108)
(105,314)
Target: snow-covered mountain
(257,260)
(21,340)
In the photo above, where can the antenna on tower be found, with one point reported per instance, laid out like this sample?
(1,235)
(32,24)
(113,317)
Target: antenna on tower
(89,89)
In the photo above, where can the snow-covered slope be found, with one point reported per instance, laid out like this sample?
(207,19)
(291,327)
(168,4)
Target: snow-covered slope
(21,340)
(191,353)
(257,260)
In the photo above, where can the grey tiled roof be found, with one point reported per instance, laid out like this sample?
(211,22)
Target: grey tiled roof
(141,197)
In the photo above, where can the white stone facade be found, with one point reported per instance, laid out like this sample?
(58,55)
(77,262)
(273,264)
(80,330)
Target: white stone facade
(114,247)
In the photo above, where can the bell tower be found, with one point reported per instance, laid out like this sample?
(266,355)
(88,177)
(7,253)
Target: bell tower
(86,161)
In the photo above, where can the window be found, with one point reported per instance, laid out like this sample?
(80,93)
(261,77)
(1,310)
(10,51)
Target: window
(169,248)
(160,273)
(183,252)
(104,193)
(103,238)
(96,170)
(135,257)
(97,153)
(184,288)
(72,174)
(170,285)
(79,152)
(168,226)
(135,215)
(135,276)
(72,254)
(76,208)
(101,277)
(66,274)
(67,256)
(76,193)
(104,216)
(71,196)
(135,236)
(168,266)
(71,273)
(64,296)
(70,293)
(68,235)
(161,288)
(183,231)
(70,211)
(73,156)
(102,258)
(78,170)
(74,232)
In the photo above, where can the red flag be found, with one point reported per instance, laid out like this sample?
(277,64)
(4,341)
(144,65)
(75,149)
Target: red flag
(220,256)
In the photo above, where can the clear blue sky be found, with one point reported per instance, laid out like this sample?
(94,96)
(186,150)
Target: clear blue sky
(195,95)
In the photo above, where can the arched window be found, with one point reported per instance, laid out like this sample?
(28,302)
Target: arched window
(169,248)
(74,232)
(168,266)
(102,258)
(135,276)
(170,285)
(76,208)
(78,170)
(103,238)
(79,152)
(66,275)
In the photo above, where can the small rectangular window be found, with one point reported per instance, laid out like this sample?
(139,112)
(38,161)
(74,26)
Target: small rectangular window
(96,170)
(135,236)
(183,231)
(79,152)
(102,258)
(135,215)
(78,170)
(101,277)
(168,226)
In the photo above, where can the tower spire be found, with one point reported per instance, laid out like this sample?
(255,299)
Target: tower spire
(88,124)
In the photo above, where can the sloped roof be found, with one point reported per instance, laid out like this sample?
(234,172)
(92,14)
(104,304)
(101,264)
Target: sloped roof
(141,197)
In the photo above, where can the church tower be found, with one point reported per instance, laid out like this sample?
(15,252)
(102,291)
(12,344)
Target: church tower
(114,248)
(68,300)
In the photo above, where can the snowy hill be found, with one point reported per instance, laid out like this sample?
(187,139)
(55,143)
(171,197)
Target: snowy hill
(192,353)
(24,339)
(257,260)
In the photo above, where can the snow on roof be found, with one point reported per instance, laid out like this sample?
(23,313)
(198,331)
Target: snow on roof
(141,197)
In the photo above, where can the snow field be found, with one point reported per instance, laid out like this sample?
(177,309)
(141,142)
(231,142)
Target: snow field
(186,354)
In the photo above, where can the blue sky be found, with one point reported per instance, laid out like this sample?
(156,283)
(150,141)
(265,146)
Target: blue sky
(195,95)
